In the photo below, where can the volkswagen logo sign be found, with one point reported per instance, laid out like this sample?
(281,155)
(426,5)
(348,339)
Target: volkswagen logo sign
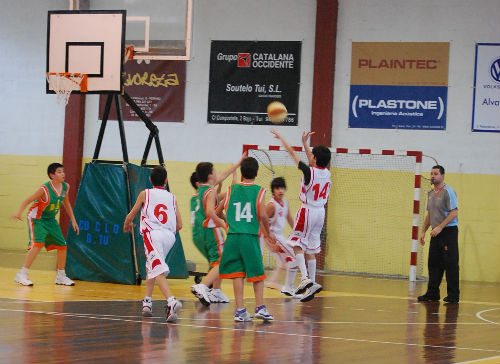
(495,70)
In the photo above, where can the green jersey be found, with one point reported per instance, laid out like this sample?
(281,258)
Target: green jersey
(242,207)
(49,208)
(194,206)
(200,216)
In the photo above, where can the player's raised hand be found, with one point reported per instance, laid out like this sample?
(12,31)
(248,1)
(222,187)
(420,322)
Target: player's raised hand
(276,134)
(306,135)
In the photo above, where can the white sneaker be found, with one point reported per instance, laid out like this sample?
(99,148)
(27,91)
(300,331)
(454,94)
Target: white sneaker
(289,291)
(147,308)
(201,291)
(216,296)
(305,283)
(311,291)
(262,313)
(173,308)
(22,278)
(62,278)
(242,315)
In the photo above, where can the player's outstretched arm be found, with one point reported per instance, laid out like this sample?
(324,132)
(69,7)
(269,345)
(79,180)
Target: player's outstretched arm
(128,223)
(269,237)
(211,212)
(286,145)
(305,143)
(37,195)
(224,174)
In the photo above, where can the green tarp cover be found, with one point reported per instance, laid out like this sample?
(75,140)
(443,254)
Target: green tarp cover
(103,252)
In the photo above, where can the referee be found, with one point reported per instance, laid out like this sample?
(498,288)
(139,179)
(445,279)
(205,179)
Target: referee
(442,212)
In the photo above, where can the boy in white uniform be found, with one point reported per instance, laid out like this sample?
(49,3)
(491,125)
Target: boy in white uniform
(278,212)
(160,220)
(309,219)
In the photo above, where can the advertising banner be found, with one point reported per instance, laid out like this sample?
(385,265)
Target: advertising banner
(486,101)
(246,76)
(157,87)
(396,85)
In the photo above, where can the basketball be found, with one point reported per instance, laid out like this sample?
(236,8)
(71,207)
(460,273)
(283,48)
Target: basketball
(277,112)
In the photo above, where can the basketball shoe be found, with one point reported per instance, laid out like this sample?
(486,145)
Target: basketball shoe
(172,309)
(147,307)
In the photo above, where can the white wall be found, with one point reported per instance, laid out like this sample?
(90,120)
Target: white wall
(195,139)
(33,121)
(463,23)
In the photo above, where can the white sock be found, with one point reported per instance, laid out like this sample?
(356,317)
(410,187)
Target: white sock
(301,262)
(24,270)
(290,277)
(171,299)
(61,272)
(147,298)
(275,275)
(311,269)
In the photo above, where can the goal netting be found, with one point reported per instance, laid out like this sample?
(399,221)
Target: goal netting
(374,210)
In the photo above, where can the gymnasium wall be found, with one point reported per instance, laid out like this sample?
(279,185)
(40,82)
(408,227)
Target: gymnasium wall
(32,133)
(471,159)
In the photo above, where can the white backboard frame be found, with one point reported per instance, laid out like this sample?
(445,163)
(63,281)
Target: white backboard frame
(90,42)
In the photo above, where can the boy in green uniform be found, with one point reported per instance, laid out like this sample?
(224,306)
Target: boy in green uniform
(207,229)
(194,205)
(44,231)
(242,256)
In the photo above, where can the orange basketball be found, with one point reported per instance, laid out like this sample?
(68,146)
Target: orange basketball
(277,112)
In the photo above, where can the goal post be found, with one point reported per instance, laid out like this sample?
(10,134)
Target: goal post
(374,209)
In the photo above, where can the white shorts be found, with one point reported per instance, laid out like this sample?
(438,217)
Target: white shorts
(157,244)
(285,258)
(306,233)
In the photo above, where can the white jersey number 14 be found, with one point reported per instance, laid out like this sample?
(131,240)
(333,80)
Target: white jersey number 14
(246,213)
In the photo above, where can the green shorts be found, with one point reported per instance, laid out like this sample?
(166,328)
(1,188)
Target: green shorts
(242,257)
(45,233)
(209,242)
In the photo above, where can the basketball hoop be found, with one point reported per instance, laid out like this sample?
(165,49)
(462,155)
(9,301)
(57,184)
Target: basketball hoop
(129,53)
(63,83)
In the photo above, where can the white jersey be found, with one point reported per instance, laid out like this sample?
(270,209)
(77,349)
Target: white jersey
(278,221)
(158,211)
(315,194)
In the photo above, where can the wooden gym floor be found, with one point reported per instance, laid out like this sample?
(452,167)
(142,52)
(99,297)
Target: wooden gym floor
(354,320)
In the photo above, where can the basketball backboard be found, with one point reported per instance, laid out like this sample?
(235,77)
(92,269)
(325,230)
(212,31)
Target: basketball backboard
(91,42)
(158,30)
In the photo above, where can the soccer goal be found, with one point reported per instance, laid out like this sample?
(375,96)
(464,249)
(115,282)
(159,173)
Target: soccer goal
(374,210)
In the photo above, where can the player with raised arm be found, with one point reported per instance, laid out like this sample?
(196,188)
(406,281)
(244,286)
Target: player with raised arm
(207,230)
(309,219)
(160,220)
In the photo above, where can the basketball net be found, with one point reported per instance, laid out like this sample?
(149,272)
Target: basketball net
(64,83)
